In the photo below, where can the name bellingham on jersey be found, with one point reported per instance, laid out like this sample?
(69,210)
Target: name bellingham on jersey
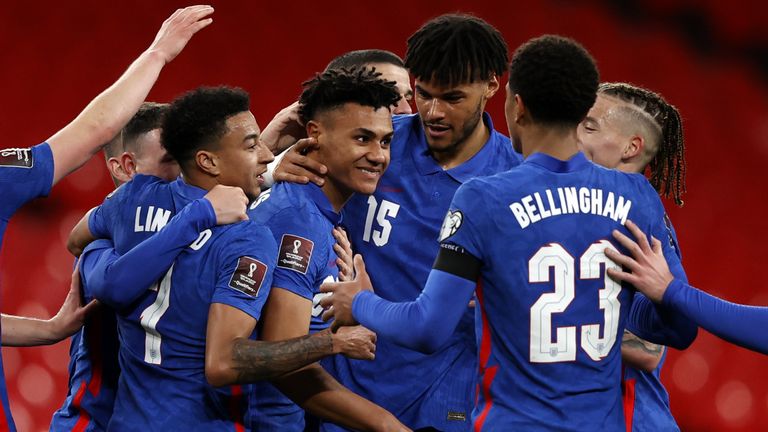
(568,200)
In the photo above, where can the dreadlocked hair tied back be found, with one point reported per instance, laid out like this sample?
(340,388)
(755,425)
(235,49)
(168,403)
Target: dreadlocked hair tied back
(667,167)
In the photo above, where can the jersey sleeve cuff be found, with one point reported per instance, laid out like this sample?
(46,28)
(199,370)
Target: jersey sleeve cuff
(672,293)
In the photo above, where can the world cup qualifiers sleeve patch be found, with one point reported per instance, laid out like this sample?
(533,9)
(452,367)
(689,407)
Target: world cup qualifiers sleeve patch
(451,224)
(16,157)
(248,276)
(295,253)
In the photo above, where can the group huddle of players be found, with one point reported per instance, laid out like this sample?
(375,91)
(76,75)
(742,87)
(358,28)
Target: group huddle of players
(227,302)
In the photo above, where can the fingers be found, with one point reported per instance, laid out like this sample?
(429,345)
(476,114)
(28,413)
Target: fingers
(642,240)
(359,264)
(327,287)
(628,243)
(656,245)
(621,260)
(90,307)
(621,276)
(281,176)
(335,326)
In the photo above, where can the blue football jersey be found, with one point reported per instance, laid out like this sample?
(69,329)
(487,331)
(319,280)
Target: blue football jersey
(646,401)
(301,220)
(25,174)
(550,320)
(395,230)
(162,334)
(93,375)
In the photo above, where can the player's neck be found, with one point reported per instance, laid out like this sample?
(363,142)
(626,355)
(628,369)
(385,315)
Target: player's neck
(464,150)
(203,182)
(336,194)
(560,143)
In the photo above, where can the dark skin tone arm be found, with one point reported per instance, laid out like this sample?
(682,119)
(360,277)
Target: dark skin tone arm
(233,358)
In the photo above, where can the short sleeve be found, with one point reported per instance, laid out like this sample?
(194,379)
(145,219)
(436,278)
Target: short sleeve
(245,265)
(25,174)
(302,251)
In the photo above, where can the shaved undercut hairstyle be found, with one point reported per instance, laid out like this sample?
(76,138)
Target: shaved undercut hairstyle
(663,130)
(148,118)
(360,58)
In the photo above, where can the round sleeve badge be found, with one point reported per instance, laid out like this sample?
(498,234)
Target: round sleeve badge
(451,224)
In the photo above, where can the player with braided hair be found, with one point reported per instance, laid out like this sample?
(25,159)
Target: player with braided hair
(631,128)
(667,166)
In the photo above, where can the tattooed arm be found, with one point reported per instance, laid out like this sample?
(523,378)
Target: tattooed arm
(231,357)
(639,353)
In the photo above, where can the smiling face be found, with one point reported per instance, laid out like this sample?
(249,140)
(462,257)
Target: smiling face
(353,142)
(241,156)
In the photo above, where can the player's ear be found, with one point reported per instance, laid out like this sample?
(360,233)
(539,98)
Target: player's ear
(493,86)
(634,147)
(313,129)
(128,162)
(520,111)
(116,170)
(207,162)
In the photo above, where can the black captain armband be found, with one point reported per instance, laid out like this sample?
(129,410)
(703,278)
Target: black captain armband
(455,260)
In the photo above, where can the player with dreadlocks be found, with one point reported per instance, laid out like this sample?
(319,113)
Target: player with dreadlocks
(631,129)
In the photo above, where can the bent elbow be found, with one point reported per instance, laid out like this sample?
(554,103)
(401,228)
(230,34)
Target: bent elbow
(218,375)
(685,338)
(428,342)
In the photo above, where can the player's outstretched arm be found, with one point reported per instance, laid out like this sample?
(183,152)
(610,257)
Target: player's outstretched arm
(113,278)
(22,331)
(424,324)
(103,118)
(735,323)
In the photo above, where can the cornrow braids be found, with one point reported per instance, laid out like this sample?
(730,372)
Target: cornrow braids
(336,87)
(667,168)
(456,48)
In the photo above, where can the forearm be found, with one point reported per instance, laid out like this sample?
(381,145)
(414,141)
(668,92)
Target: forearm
(318,393)
(103,118)
(259,360)
(424,324)
(22,331)
(742,325)
(659,324)
(640,354)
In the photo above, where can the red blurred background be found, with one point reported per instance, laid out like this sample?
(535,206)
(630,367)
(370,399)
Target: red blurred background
(704,56)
